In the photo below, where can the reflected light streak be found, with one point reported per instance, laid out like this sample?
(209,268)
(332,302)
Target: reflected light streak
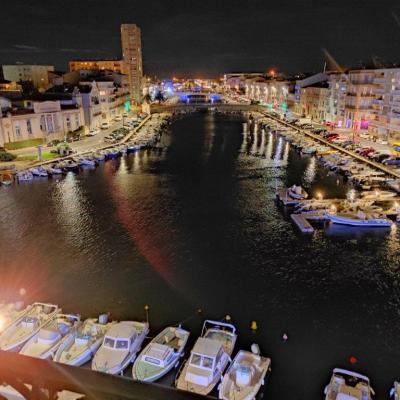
(278,150)
(149,238)
(286,152)
(262,144)
(254,146)
(309,173)
(270,144)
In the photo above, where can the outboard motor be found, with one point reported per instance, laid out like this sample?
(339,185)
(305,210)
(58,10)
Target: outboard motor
(103,319)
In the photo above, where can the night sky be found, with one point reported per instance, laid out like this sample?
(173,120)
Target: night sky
(203,37)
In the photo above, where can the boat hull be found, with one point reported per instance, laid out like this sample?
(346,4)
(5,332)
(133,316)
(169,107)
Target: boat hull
(376,223)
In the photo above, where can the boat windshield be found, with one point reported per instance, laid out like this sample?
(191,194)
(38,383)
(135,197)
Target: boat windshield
(122,344)
(109,342)
(202,361)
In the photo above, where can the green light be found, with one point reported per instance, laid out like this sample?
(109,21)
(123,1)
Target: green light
(284,107)
(127,106)
(269,105)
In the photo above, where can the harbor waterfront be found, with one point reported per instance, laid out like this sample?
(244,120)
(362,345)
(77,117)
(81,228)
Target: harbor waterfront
(191,224)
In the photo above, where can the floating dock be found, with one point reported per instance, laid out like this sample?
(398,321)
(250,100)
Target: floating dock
(301,223)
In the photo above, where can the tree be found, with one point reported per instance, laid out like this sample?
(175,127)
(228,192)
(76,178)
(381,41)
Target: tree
(159,97)
(146,99)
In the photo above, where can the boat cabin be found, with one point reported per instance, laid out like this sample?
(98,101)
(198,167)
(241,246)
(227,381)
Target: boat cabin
(158,355)
(204,359)
(120,337)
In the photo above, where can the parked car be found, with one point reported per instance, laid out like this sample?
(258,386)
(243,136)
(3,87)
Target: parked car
(93,132)
(118,118)
(392,161)
(365,135)
(367,152)
(379,157)
(104,125)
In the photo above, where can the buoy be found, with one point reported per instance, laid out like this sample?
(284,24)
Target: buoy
(253,325)
(353,360)
(285,337)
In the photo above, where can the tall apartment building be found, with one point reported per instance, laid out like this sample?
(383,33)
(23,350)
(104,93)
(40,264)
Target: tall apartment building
(359,99)
(97,65)
(37,74)
(335,111)
(132,57)
(385,121)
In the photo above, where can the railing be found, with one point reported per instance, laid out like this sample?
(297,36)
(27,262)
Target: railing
(41,380)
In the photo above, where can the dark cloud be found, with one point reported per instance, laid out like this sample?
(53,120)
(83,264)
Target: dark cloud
(204,37)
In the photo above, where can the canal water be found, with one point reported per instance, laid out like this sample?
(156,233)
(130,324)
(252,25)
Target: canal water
(191,229)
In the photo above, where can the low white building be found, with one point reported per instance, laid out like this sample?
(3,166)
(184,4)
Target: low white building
(47,120)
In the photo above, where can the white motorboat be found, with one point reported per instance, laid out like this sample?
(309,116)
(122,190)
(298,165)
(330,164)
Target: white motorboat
(81,344)
(11,312)
(395,391)
(359,219)
(297,192)
(348,385)
(208,358)
(160,355)
(245,376)
(84,161)
(99,156)
(24,176)
(120,346)
(378,195)
(39,171)
(30,323)
(46,341)
(54,169)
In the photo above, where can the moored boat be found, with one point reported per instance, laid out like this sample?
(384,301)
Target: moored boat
(46,341)
(23,176)
(39,171)
(297,192)
(395,391)
(348,385)
(359,219)
(245,376)
(120,346)
(82,343)
(208,358)
(19,332)
(160,355)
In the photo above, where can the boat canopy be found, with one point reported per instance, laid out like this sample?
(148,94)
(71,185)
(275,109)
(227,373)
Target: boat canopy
(208,324)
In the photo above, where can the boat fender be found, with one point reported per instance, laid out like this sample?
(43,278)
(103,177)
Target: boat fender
(255,349)
(103,319)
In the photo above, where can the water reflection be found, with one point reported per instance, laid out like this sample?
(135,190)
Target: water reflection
(309,173)
(72,210)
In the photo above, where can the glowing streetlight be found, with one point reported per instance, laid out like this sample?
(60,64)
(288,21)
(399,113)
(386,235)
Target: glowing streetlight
(319,196)
(333,209)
